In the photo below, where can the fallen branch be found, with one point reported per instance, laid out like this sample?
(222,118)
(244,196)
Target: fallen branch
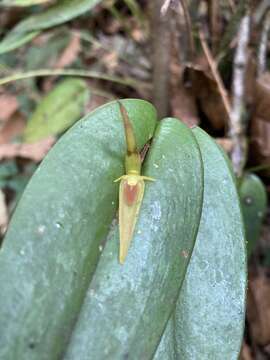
(237,126)
(213,66)
(262,50)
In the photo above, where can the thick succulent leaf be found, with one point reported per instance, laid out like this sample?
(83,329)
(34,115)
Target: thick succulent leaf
(57,14)
(254,203)
(210,312)
(52,245)
(58,110)
(127,306)
(166,348)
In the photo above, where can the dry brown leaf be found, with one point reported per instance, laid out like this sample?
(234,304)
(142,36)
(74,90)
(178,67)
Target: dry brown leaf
(42,39)
(262,97)
(258,309)
(67,57)
(70,53)
(3,213)
(8,106)
(11,129)
(95,102)
(35,151)
(205,89)
(184,107)
(182,101)
(138,35)
(110,60)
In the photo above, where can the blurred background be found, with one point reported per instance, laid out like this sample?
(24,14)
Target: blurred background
(204,62)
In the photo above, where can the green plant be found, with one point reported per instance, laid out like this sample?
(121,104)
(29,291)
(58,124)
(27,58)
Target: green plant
(58,13)
(57,111)
(64,293)
(253,197)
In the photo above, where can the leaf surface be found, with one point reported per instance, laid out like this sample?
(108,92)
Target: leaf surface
(210,313)
(127,306)
(52,245)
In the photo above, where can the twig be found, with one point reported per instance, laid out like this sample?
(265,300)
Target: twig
(161,42)
(184,6)
(262,50)
(213,66)
(71,72)
(237,127)
(214,23)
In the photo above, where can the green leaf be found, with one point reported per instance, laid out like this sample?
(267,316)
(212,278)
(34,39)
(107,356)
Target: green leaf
(166,348)
(254,204)
(61,12)
(58,110)
(22,2)
(14,40)
(57,14)
(127,306)
(210,312)
(52,244)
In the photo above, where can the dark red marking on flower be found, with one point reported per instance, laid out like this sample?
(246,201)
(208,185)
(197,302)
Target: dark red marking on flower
(130,193)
